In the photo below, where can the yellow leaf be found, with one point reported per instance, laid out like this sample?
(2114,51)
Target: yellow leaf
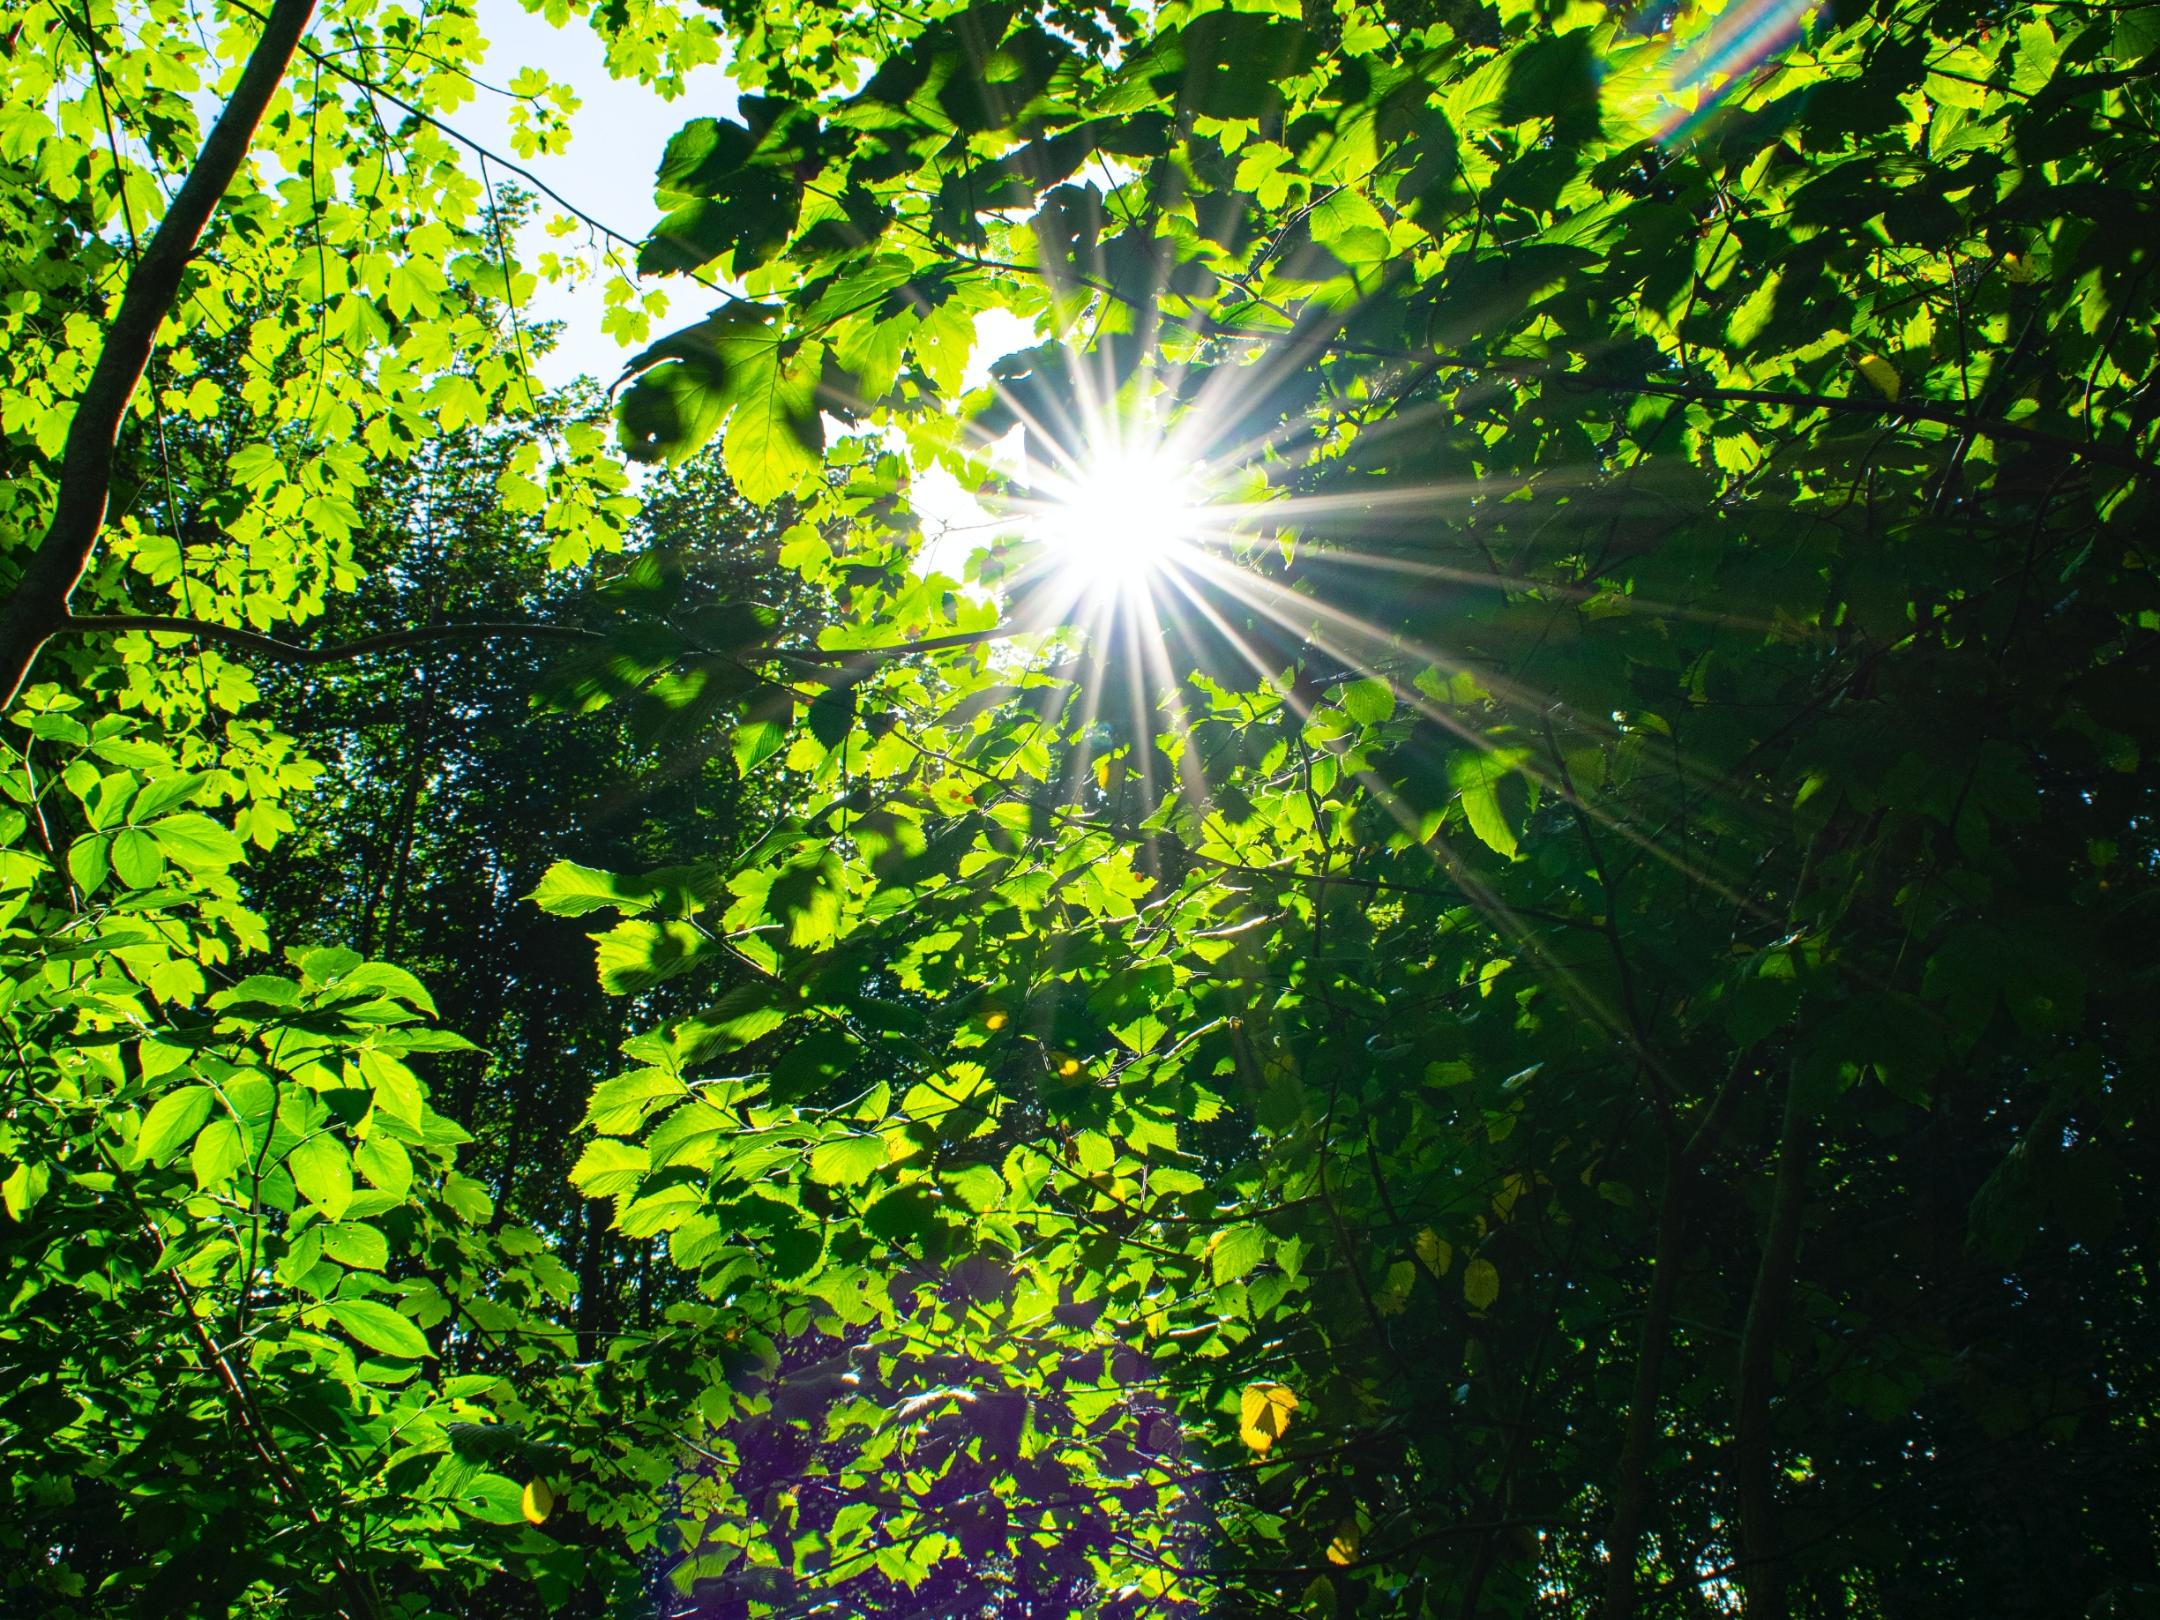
(1343,1549)
(2019,269)
(1264,1413)
(1435,1250)
(1481,1283)
(1504,1200)
(537,1502)
(1882,374)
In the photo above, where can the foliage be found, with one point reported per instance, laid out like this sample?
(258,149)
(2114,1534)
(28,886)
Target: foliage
(219,1383)
(452,797)
(258,1318)
(1551,1019)
(1633,788)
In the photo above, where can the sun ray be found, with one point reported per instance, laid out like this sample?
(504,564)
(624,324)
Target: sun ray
(1510,925)
(1127,503)
(1263,601)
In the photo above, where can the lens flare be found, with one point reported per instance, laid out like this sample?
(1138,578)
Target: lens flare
(1671,92)
(1119,519)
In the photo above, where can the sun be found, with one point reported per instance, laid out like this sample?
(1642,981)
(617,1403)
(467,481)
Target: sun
(1118,519)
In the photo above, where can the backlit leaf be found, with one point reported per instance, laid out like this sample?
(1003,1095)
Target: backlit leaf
(1481,1284)
(173,1119)
(379,1327)
(537,1501)
(1264,1412)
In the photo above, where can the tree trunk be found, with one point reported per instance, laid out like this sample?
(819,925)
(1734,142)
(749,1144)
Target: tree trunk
(595,1314)
(1762,1567)
(1631,1489)
(404,829)
(38,605)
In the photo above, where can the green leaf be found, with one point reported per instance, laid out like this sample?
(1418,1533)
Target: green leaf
(196,842)
(265,988)
(24,1185)
(468,1198)
(322,1170)
(756,741)
(385,1165)
(671,411)
(253,465)
(775,438)
(396,1088)
(1554,77)
(748,226)
(1369,702)
(362,1247)
(173,1119)
(847,1161)
(1235,1251)
(328,966)
(1481,1284)
(385,979)
(635,956)
(567,889)
(1476,778)
(377,1326)
(830,715)
(160,796)
(220,1149)
(659,1211)
(702,157)
(89,861)
(491,1499)
(688,381)
(136,858)
(747,1013)
(609,1167)
(978,1187)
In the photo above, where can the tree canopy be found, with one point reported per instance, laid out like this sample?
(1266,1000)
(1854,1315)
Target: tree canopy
(1481,954)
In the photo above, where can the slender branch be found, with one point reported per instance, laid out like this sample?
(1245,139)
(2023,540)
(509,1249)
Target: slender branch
(1762,1569)
(847,656)
(1624,974)
(247,1416)
(487,155)
(38,605)
(293,652)
(1881,409)
(1631,1490)
(848,659)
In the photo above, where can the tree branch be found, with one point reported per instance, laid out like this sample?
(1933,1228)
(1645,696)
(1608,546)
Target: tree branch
(247,1416)
(1762,1569)
(293,652)
(38,605)
(847,658)
(854,661)
(487,155)
(1631,1488)
(1882,409)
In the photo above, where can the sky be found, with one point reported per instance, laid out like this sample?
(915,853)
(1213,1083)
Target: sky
(617,136)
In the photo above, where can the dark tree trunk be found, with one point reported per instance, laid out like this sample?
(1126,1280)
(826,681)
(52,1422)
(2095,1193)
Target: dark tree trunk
(1631,1487)
(1762,1566)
